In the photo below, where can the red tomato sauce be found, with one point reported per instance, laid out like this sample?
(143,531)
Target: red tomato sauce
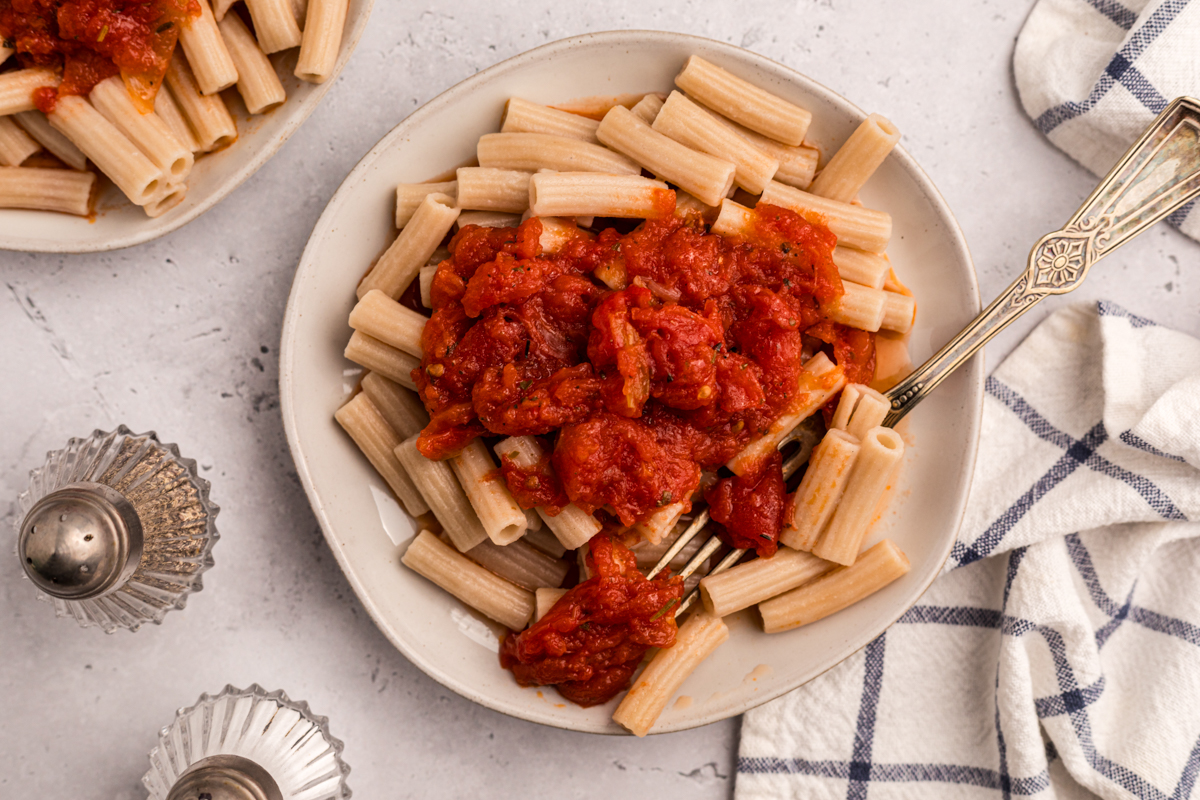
(536,486)
(645,386)
(593,639)
(750,507)
(90,40)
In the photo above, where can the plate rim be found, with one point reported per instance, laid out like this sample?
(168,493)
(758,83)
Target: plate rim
(974,369)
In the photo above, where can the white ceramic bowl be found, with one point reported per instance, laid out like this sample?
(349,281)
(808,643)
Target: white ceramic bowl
(118,223)
(368,532)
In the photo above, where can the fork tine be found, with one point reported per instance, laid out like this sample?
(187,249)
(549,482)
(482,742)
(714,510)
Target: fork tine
(725,563)
(688,534)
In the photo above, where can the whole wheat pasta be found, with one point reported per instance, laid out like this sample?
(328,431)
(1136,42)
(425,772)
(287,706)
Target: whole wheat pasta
(530,152)
(572,194)
(401,408)
(369,352)
(257,82)
(752,582)
(491,219)
(169,112)
(880,453)
(688,204)
(15,144)
(410,195)
(556,232)
(487,189)
(40,189)
(851,394)
(734,219)
(869,412)
(572,526)
(167,198)
(858,227)
(18,85)
(859,307)
(647,108)
(797,165)
(208,117)
(147,131)
(322,39)
(108,148)
(821,489)
(521,563)
(206,53)
(690,125)
(743,102)
(446,498)
(425,276)
(660,523)
(698,637)
(546,598)
(837,589)
(274,25)
(376,439)
(381,317)
(220,8)
(523,116)
(544,539)
(899,312)
(300,12)
(708,178)
(488,594)
(398,266)
(37,126)
(498,512)
(857,159)
(819,381)
(865,269)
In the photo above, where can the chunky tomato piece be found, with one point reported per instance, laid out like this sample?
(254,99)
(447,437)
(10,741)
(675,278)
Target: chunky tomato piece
(536,486)
(750,507)
(616,346)
(591,642)
(683,347)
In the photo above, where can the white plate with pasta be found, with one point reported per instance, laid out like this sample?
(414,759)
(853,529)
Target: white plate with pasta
(358,509)
(132,176)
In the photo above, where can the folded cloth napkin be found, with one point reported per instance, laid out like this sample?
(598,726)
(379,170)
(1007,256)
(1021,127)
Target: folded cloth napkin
(1060,648)
(1093,73)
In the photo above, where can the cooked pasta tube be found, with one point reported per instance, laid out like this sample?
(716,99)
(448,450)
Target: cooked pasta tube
(399,264)
(300,12)
(257,82)
(367,427)
(690,125)
(323,24)
(899,311)
(167,198)
(660,523)
(851,394)
(151,135)
(797,165)
(523,116)
(425,276)
(819,380)
(533,523)
(530,152)
(743,102)
(498,512)
(556,232)
(491,219)
(220,8)
(880,452)
(869,412)
(39,189)
(754,581)
(544,539)
(821,489)
(169,112)
(696,640)
(410,195)
(401,408)
(837,589)
(37,126)
(866,269)
(858,227)
(380,316)
(488,594)
(274,25)
(15,144)
(573,194)
(686,204)
(444,495)
(108,148)
(709,178)
(734,219)
(857,159)
(520,563)
(18,85)
(487,189)
(647,108)
(206,53)
(859,307)
(572,526)
(369,352)
(207,116)
(545,599)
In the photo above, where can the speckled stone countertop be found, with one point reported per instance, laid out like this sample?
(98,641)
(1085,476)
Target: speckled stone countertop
(181,335)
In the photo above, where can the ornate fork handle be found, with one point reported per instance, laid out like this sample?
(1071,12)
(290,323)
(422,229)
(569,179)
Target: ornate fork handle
(1156,176)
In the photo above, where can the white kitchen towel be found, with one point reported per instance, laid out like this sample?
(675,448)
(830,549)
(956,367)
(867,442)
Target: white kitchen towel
(1058,656)
(1092,74)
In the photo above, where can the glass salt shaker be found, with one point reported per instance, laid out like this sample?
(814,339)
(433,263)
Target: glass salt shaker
(247,745)
(116,529)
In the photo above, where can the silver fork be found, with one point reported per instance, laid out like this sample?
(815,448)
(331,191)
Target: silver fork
(1159,174)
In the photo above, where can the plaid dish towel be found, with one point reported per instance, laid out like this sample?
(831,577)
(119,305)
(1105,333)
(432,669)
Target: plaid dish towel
(1058,656)
(1093,73)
